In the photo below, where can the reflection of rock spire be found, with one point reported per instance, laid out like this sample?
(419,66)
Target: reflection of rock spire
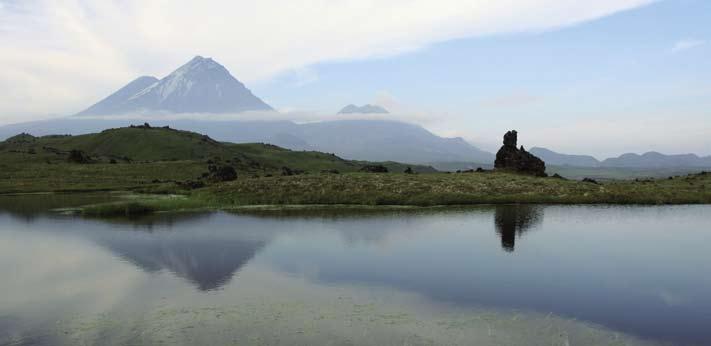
(514,220)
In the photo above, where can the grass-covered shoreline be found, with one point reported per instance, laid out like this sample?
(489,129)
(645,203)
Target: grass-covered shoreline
(364,190)
(452,189)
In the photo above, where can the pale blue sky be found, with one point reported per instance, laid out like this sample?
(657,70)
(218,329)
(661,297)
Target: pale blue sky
(649,68)
(600,77)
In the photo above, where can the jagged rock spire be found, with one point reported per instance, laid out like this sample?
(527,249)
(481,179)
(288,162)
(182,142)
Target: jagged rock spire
(510,158)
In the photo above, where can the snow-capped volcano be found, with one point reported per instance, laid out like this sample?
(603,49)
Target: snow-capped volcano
(200,86)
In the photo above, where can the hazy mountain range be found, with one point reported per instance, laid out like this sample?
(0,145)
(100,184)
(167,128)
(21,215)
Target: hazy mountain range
(372,140)
(204,86)
(630,160)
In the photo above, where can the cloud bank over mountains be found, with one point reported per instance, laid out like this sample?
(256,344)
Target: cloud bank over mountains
(59,55)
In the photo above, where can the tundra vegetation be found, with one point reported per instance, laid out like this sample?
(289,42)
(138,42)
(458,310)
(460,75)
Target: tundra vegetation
(186,170)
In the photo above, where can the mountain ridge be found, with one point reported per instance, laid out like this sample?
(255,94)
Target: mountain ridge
(113,102)
(364,109)
(555,158)
(199,86)
(650,159)
(413,143)
(372,140)
(653,159)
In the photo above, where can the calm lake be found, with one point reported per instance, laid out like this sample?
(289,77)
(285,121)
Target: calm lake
(495,275)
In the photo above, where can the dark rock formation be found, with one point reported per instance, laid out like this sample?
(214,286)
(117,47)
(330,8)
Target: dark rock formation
(23,138)
(374,169)
(286,171)
(518,160)
(191,184)
(78,156)
(558,176)
(221,173)
(591,181)
(144,126)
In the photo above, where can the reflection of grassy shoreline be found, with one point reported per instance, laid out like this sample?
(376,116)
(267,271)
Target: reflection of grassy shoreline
(361,190)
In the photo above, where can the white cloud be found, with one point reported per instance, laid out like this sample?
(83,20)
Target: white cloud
(298,116)
(687,44)
(387,100)
(60,55)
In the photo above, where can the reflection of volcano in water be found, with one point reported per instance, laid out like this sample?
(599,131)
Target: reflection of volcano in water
(208,258)
(208,263)
(514,220)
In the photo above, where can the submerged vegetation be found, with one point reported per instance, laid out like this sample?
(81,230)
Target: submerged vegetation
(192,171)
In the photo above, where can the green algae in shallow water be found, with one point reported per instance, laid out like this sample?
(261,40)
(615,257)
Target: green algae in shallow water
(340,322)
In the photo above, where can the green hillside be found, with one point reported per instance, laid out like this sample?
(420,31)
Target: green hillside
(139,155)
(138,144)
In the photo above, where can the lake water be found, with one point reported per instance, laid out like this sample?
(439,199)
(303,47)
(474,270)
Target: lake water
(504,275)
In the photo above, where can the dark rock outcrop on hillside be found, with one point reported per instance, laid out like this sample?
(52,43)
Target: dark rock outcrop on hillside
(518,160)
(78,156)
(221,173)
(287,172)
(591,181)
(374,169)
(22,138)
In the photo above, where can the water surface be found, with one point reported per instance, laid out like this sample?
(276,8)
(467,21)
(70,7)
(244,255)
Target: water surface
(504,275)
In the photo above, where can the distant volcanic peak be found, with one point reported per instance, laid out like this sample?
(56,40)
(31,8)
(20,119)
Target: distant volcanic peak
(199,86)
(198,59)
(181,81)
(365,109)
(197,65)
(144,80)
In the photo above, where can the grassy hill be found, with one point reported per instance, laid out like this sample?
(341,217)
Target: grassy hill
(139,155)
